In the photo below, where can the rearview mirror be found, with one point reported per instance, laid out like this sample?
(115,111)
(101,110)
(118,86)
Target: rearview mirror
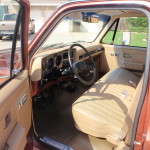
(90,19)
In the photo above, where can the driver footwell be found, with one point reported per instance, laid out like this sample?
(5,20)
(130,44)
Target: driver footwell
(55,121)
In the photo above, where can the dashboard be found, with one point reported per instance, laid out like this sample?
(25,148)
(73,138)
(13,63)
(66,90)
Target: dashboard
(50,65)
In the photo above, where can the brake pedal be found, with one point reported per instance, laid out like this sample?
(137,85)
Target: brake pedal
(72,88)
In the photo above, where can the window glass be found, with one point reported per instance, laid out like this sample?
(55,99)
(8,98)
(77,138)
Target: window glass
(131,31)
(77,26)
(18,54)
(10,17)
(108,38)
(10,10)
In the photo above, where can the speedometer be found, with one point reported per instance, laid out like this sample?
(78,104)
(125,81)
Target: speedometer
(58,60)
(51,63)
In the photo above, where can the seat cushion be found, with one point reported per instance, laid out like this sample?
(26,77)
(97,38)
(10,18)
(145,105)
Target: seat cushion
(102,109)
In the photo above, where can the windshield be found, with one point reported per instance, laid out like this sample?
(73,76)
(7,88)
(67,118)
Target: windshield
(76,27)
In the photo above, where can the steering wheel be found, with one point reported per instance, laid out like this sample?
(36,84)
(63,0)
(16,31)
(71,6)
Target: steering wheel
(83,69)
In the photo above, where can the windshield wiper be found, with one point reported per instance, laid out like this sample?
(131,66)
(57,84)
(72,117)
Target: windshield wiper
(60,45)
(78,41)
(52,45)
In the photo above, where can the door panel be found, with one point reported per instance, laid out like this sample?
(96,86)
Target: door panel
(132,58)
(15,112)
(122,56)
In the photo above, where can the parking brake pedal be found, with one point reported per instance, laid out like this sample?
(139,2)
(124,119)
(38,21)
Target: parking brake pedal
(70,87)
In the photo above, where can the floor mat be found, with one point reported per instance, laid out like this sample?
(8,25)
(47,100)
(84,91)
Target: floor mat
(56,121)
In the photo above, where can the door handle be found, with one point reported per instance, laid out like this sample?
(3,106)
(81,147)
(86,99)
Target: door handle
(127,56)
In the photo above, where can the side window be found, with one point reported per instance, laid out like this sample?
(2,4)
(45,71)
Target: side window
(10,43)
(130,31)
(110,36)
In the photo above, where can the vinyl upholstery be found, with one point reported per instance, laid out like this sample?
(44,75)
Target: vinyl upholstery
(102,109)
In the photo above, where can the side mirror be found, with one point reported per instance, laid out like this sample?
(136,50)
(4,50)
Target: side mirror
(126,36)
(32,19)
(90,19)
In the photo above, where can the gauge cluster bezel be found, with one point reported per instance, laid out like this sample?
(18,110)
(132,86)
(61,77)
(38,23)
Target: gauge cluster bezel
(46,69)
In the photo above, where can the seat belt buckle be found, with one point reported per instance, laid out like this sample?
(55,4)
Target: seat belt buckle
(122,145)
(132,84)
(126,95)
(114,138)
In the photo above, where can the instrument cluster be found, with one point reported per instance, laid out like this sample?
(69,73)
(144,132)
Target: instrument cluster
(55,62)
(50,63)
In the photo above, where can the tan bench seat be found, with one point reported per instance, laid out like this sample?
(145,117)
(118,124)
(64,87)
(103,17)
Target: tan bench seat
(103,108)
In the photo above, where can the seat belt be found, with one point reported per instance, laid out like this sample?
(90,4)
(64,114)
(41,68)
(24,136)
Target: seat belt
(118,138)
